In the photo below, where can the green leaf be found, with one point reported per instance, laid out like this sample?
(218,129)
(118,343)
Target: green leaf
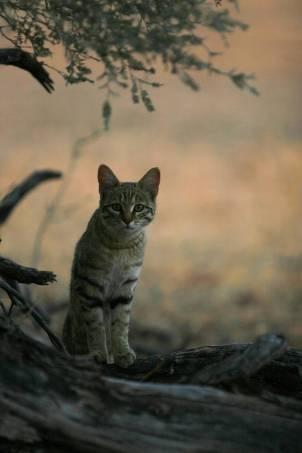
(134,92)
(147,101)
(106,113)
(189,81)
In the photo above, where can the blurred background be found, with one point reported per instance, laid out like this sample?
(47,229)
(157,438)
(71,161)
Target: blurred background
(224,257)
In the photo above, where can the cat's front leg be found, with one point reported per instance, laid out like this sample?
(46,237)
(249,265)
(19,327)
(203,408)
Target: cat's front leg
(96,337)
(124,356)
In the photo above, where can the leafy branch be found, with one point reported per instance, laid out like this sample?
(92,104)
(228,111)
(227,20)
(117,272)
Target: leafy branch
(117,44)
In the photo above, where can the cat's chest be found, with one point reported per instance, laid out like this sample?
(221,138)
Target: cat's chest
(120,274)
(118,267)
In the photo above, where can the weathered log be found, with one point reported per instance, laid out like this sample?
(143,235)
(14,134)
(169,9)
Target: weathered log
(9,202)
(26,61)
(56,403)
(245,364)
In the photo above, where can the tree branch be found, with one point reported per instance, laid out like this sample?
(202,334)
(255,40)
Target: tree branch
(8,203)
(27,307)
(11,270)
(24,60)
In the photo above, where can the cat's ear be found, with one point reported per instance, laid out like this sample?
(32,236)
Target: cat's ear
(107,179)
(150,181)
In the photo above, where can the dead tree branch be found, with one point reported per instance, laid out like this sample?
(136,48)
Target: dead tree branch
(13,271)
(27,62)
(27,307)
(59,403)
(9,202)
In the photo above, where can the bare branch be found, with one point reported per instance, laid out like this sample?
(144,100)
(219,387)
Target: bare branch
(8,203)
(11,270)
(19,300)
(24,60)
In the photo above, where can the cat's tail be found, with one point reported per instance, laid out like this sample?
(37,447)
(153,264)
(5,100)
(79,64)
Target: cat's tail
(107,325)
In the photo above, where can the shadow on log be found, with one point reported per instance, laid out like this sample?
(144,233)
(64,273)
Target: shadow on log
(53,403)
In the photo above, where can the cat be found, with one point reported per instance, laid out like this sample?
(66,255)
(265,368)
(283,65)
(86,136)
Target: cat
(107,262)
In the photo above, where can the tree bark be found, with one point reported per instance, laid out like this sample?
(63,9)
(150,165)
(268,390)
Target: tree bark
(53,403)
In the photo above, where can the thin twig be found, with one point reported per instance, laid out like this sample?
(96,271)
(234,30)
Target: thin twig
(49,215)
(14,285)
(28,308)
(154,370)
(53,68)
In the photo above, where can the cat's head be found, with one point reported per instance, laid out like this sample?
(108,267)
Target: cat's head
(127,206)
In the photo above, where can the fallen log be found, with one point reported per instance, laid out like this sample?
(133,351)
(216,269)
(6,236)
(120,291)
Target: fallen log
(51,402)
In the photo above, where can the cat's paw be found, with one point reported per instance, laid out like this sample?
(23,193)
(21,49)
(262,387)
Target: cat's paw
(99,356)
(124,359)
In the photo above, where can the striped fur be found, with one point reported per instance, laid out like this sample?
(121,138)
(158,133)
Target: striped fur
(107,262)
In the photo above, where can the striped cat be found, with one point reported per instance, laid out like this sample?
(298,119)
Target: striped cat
(107,262)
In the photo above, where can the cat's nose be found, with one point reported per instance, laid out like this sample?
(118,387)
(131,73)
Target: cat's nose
(127,220)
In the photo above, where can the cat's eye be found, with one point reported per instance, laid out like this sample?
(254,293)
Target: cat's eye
(116,207)
(139,208)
